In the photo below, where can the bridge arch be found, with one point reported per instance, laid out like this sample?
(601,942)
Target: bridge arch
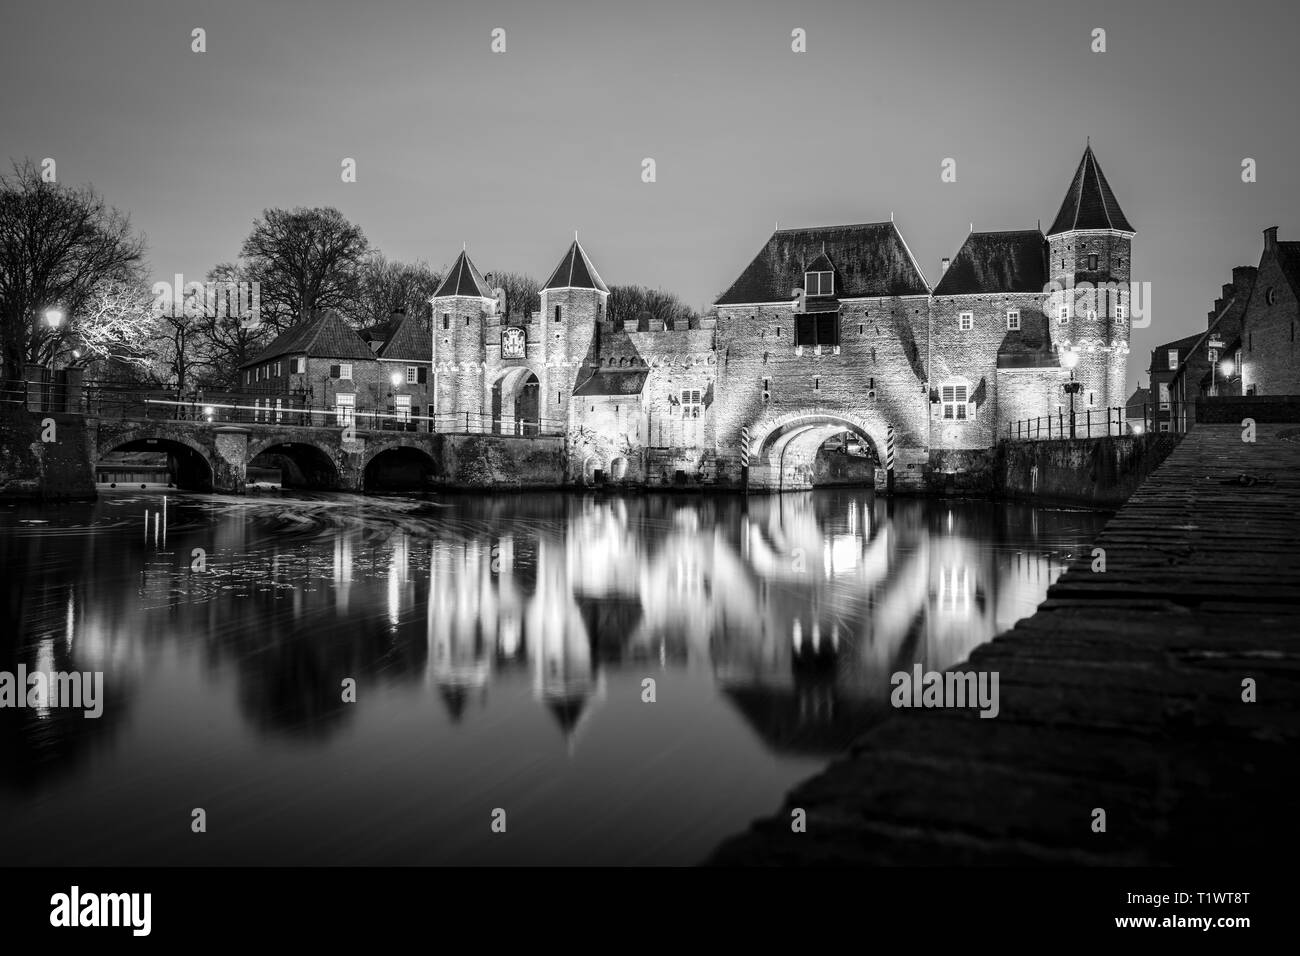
(302,463)
(190,461)
(784,445)
(398,465)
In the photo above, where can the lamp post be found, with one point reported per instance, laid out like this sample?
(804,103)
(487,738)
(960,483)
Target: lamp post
(54,319)
(1069,359)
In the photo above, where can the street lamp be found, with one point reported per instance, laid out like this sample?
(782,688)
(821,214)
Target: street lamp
(1069,359)
(54,319)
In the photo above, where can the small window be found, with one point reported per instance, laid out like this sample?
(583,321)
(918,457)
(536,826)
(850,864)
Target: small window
(1270,296)
(1013,320)
(691,403)
(1164,426)
(953,398)
(557,313)
(1121,309)
(345,370)
(1092,263)
(966,321)
(1063,314)
(819,283)
(1173,358)
(412,374)
(446,320)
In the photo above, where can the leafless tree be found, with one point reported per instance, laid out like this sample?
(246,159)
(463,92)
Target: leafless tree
(57,246)
(629,301)
(523,293)
(385,286)
(304,260)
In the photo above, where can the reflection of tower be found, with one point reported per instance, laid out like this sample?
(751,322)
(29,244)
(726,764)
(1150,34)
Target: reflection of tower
(814,665)
(460,659)
(565,674)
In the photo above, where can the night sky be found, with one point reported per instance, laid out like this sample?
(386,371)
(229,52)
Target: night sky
(512,152)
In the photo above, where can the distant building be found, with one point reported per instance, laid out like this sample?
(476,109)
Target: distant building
(1137,411)
(1269,355)
(1165,360)
(1211,366)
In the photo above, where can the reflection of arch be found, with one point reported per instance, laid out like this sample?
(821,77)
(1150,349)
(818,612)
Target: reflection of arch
(301,464)
(190,462)
(786,443)
(516,402)
(398,466)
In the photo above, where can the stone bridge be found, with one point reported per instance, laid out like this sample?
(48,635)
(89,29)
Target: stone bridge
(215,457)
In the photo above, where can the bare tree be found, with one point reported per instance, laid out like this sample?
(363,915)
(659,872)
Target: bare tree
(386,286)
(227,338)
(629,301)
(57,245)
(115,323)
(304,260)
(523,293)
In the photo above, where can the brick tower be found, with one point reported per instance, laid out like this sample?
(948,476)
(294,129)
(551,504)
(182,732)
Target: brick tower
(574,302)
(460,308)
(1090,264)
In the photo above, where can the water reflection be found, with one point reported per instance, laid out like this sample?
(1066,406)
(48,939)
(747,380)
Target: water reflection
(770,626)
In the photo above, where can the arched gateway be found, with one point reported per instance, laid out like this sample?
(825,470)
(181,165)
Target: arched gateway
(783,447)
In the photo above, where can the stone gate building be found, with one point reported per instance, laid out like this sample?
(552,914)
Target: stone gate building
(828,330)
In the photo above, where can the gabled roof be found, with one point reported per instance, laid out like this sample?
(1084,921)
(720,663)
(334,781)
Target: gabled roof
(411,341)
(623,381)
(997,262)
(1288,257)
(463,278)
(1089,202)
(326,336)
(870,260)
(575,271)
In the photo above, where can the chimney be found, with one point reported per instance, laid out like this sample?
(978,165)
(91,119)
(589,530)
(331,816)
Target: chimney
(944,267)
(1243,277)
(1270,239)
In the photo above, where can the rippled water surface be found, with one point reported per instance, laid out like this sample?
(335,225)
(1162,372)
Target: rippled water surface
(500,648)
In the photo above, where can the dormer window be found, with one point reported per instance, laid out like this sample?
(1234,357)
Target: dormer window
(819,283)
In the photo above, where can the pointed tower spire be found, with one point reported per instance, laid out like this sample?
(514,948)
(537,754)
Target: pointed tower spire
(1089,202)
(575,271)
(463,278)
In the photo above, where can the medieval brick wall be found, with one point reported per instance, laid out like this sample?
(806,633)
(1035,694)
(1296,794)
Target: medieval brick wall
(1269,348)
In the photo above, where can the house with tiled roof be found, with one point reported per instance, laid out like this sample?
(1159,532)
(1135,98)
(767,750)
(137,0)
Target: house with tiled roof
(406,363)
(1210,366)
(1270,360)
(320,364)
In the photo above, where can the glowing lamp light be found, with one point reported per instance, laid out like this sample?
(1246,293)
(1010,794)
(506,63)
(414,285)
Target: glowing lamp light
(1137,429)
(396,379)
(208,410)
(1069,358)
(1228,367)
(54,318)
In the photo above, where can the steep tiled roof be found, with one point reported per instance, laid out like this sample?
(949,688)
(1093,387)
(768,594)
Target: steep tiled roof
(620,382)
(412,341)
(870,259)
(326,336)
(1288,257)
(575,271)
(1089,202)
(463,278)
(997,262)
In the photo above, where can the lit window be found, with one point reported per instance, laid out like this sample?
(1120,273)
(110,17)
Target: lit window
(1063,314)
(403,407)
(954,399)
(1013,320)
(345,370)
(1173,358)
(345,408)
(819,283)
(966,321)
(1164,396)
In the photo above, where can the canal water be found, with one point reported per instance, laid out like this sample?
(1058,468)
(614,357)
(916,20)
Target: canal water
(502,650)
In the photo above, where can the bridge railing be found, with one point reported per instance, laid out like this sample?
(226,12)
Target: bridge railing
(1089,423)
(231,408)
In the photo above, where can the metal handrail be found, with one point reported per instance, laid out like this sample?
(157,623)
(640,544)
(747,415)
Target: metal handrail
(1090,423)
(227,408)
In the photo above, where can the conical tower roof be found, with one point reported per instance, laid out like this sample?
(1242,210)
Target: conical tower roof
(463,278)
(575,271)
(1089,202)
